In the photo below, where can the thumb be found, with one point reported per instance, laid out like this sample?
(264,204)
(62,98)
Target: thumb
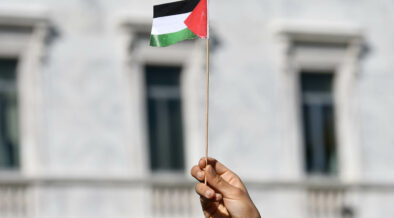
(218,183)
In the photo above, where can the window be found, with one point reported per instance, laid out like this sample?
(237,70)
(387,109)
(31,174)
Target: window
(318,123)
(9,137)
(314,49)
(164,118)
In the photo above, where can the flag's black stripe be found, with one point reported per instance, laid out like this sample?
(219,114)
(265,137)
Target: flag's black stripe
(174,8)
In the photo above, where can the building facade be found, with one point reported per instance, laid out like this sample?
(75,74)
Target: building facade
(95,123)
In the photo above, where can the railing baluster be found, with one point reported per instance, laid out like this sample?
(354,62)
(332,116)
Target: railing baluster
(13,201)
(169,200)
(325,202)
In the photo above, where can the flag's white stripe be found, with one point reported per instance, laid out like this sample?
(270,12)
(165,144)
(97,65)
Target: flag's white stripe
(169,24)
(159,2)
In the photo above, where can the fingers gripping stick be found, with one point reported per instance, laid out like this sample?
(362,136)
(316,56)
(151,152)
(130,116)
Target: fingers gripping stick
(216,182)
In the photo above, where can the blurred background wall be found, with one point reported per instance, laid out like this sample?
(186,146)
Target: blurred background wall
(95,123)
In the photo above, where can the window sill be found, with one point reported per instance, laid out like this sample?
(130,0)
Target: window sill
(11,176)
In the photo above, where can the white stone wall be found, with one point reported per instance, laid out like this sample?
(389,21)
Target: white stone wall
(89,128)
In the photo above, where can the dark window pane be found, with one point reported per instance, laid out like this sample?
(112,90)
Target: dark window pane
(317,82)
(164,118)
(318,123)
(9,137)
(162,76)
(176,134)
(7,69)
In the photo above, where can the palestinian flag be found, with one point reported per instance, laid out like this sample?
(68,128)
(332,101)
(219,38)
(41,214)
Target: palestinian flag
(175,21)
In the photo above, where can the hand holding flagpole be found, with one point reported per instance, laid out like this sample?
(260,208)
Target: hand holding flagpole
(180,20)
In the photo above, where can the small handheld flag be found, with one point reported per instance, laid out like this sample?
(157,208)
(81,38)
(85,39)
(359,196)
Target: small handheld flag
(176,21)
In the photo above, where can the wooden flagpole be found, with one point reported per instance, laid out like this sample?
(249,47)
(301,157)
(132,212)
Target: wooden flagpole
(207,93)
(207,107)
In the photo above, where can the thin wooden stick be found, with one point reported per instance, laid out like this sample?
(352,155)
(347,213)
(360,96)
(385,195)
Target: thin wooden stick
(207,108)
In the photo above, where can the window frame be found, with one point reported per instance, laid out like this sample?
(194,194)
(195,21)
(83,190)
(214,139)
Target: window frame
(339,47)
(24,37)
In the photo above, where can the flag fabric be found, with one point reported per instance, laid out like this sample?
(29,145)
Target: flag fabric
(197,22)
(175,21)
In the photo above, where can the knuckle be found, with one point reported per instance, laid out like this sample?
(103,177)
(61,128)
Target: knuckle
(200,189)
(213,161)
(219,181)
(238,192)
(193,170)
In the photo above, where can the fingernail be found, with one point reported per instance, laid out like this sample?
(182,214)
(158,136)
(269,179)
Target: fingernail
(200,175)
(209,193)
(218,197)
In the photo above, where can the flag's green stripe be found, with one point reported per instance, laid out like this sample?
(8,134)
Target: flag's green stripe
(171,38)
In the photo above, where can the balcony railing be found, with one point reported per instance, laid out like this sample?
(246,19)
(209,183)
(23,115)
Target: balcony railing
(176,198)
(13,199)
(323,200)
(173,201)
(326,202)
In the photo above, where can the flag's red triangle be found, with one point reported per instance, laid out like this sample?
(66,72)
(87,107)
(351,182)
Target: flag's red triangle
(197,20)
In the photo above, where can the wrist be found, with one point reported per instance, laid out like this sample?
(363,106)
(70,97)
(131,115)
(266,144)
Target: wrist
(255,212)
